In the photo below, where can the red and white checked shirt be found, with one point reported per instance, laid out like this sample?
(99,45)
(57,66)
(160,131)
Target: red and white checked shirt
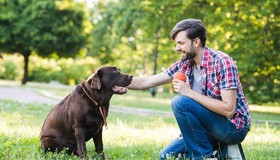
(218,72)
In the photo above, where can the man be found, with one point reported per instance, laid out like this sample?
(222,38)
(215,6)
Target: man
(210,109)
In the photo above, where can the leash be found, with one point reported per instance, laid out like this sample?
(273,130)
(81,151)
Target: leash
(101,109)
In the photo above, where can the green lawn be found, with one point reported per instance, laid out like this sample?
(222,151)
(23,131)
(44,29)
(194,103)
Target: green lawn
(129,136)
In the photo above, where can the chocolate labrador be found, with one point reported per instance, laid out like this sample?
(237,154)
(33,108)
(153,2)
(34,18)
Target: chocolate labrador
(81,115)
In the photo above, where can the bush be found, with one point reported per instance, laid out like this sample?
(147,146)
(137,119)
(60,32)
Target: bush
(11,71)
(65,70)
(9,67)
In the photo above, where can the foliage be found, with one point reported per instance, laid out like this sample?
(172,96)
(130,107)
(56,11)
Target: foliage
(11,66)
(43,27)
(64,70)
(131,33)
(134,36)
(10,70)
(248,31)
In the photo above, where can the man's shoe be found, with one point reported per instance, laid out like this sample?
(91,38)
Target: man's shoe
(235,152)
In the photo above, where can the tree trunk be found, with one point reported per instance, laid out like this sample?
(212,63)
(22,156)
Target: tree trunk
(25,75)
(153,90)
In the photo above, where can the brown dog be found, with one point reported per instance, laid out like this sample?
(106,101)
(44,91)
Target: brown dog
(81,115)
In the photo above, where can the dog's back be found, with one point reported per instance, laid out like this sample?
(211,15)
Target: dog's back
(56,132)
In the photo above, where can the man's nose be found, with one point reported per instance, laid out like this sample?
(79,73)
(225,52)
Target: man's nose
(177,48)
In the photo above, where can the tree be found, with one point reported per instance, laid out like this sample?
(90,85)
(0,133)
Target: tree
(43,27)
(138,29)
(133,33)
(248,31)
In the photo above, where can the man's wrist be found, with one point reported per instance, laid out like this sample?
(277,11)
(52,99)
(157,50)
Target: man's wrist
(190,93)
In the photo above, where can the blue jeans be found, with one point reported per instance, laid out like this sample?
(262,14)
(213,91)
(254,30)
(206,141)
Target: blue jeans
(203,131)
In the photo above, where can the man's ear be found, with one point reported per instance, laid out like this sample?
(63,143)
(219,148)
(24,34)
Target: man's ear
(96,83)
(197,42)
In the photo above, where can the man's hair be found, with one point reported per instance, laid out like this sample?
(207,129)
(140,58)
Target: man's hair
(194,28)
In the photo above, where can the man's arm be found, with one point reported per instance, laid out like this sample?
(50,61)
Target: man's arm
(226,106)
(149,82)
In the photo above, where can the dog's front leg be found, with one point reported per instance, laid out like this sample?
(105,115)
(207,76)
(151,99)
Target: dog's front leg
(98,143)
(81,143)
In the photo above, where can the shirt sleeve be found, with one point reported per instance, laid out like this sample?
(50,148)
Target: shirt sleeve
(228,73)
(173,68)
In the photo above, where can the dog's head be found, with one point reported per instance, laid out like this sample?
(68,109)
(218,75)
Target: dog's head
(110,78)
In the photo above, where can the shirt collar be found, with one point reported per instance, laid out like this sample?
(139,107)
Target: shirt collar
(204,61)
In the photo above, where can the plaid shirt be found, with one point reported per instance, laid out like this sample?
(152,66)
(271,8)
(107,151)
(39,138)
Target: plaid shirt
(218,72)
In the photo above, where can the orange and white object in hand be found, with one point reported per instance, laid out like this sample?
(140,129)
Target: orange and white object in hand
(180,75)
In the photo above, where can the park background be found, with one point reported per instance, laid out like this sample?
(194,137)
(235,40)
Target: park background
(65,41)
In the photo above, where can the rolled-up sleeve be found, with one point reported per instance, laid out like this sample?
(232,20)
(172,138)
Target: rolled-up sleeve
(173,68)
(228,74)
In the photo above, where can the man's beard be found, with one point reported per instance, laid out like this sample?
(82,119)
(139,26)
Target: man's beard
(189,55)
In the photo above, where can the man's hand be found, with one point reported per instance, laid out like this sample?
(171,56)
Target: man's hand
(182,87)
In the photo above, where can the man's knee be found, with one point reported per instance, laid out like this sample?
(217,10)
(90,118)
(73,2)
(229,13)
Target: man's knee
(180,102)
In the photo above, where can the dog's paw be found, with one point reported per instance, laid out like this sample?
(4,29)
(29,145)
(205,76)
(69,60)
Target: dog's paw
(101,156)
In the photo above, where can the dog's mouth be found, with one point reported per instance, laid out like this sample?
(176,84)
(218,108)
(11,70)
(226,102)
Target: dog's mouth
(119,89)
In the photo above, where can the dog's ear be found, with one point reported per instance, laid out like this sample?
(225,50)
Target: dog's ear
(96,83)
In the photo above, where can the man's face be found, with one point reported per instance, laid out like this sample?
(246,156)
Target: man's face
(184,46)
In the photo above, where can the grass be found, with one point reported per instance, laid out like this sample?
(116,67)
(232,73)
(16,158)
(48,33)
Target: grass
(129,136)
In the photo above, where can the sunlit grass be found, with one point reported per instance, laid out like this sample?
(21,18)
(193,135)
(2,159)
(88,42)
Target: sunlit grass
(262,143)
(128,136)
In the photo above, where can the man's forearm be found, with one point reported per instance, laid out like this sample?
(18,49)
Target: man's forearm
(226,107)
(149,81)
(137,83)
